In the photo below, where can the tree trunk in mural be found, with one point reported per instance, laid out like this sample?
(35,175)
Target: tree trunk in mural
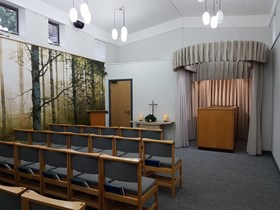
(56,85)
(52,88)
(43,87)
(2,87)
(36,95)
(21,83)
(74,83)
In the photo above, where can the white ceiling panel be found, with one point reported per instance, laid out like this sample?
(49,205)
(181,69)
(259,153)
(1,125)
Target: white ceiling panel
(142,14)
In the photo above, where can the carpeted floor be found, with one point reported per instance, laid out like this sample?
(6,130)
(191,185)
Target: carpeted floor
(224,181)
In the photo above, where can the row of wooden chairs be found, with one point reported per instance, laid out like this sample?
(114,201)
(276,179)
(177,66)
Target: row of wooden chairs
(15,198)
(162,151)
(92,178)
(135,132)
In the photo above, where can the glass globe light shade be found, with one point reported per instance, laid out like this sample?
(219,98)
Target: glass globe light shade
(115,34)
(200,1)
(206,18)
(214,22)
(123,34)
(84,9)
(87,17)
(5,29)
(220,16)
(1,27)
(73,14)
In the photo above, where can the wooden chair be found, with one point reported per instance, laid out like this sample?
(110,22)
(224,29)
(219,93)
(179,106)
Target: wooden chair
(32,200)
(102,144)
(28,166)
(128,147)
(161,163)
(10,197)
(111,130)
(55,176)
(39,137)
(129,132)
(7,163)
(22,135)
(59,140)
(151,133)
(85,185)
(79,142)
(122,181)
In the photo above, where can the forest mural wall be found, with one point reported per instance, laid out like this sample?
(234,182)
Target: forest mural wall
(39,86)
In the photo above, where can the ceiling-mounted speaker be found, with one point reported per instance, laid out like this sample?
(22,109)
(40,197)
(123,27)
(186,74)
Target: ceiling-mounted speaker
(79,24)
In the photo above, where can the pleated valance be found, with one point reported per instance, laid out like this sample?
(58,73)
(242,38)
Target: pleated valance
(233,51)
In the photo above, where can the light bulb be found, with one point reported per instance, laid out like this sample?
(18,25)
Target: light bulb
(115,34)
(206,18)
(220,16)
(84,9)
(73,14)
(200,1)
(214,22)
(87,17)
(123,34)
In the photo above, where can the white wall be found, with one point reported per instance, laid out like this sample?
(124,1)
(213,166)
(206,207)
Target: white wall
(152,80)
(147,51)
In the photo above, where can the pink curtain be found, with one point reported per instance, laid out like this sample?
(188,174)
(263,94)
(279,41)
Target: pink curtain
(224,92)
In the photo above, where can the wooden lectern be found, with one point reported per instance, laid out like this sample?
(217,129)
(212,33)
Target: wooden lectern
(97,117)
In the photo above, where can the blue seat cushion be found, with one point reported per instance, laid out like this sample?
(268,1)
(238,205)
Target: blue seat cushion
(56,173)
(132,187)
(30,168)
(58,146)
(165,161)
(107,151)
(120,153)
(82,149)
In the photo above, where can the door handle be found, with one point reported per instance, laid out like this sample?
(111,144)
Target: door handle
(127,112)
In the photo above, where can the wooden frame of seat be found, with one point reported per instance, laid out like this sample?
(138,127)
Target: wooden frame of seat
(10,197)
(149,170)
(24,156)
(151,133)
(137,200)
(30,197)
(40,137)
(130,132)
(108,130)
(90,194)
(50,186)
(22,135)
(8,173)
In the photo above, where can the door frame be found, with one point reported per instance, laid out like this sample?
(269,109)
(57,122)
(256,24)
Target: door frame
(131,97)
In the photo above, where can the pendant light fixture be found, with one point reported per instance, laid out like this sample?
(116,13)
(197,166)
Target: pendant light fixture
(206,15)
(124,31)
(84,10)
(217,18)
(115,32)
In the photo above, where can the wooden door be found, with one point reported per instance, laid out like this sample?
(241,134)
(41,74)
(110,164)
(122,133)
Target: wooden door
(120,102)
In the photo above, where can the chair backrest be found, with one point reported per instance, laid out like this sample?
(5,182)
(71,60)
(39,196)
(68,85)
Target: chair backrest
(58,127)
(91,130)
(129,132)
(102,142)
(84,162)
(125,144)
(6,149)
(54,157)
(39,137)
(22,135)
(151,133)
(29,153)
(122,169)
(32,200)
(80,140)
(10,197)
(164,148)
(59,138)
(73,128)
(108,130)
